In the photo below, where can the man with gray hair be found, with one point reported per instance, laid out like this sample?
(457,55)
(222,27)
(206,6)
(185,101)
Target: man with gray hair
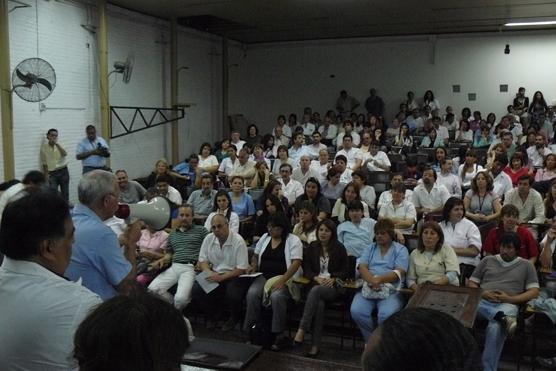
(97,258)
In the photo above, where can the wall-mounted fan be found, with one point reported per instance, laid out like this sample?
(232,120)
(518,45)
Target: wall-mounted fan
(33,79)
(125,68)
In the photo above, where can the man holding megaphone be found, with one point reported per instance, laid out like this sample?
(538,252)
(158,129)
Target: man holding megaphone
(97,259)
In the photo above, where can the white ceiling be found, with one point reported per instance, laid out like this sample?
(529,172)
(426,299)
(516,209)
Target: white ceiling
(283,20)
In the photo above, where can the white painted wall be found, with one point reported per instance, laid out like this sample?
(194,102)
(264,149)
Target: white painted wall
(283,78)
(53,32)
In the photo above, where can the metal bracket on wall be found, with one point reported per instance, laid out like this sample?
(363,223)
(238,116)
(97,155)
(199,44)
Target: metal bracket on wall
(140,114)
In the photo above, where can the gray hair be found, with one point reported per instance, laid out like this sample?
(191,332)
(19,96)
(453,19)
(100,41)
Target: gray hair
(94,186)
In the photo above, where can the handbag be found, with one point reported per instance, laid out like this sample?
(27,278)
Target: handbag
(386,289)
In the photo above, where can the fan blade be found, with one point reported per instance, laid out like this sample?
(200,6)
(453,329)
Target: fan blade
(45,82)
(22,76)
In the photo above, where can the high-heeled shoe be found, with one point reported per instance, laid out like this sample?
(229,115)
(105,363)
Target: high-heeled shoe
(313,353)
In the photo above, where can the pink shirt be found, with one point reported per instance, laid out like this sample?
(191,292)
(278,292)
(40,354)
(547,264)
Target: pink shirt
(155,242)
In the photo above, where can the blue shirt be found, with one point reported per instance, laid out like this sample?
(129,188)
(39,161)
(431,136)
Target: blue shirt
(356,237)
(96,257)
(397,256)
(244,207)
(183,169)
(86,145)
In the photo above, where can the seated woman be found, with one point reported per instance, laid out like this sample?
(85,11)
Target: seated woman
(340,211)
(544,176)
(509,218)
(448,179)
(273,206)
(367,192)
(431,140)
(469,168)
(314,195)
(357,232)
(332,188)
(497,149)
(270,149)
(403,139)
(550,202)
(382,266)
(306,228)
(548,245)
(208,163)
(462,235)
(440,154)
(152,246)
(258,155)
(282,159)
(161,167)
(222,152)
(481,202)
(273,187)
(223,206)
(253,136)
(516,168)
(277,256)
(242,203)
(432,261)
(483,140)
(262,175)
(400,211)
(324,262)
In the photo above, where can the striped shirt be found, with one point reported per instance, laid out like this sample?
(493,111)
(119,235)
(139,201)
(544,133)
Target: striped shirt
(185,245)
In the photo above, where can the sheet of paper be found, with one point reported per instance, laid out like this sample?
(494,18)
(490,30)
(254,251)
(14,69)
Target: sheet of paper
(201,279)
(252,275)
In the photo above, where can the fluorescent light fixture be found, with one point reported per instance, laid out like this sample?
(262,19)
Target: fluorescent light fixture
(537,23)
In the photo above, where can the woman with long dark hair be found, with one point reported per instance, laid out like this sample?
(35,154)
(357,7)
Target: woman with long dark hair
(223,206)
(324,263)
(314,195)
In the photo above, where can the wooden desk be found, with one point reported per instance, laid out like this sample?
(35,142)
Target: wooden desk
(459,302)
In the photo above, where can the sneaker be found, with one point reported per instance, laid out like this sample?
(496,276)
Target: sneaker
(230,324)
(510,322)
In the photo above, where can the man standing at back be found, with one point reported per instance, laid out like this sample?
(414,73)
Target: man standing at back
(55,163)
(105,268)
(92,150)
(40,309)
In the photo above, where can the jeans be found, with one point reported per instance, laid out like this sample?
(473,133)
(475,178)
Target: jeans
(362,309)
(495,335)
(60,178)
(313,313)
(183,275)
(279,300)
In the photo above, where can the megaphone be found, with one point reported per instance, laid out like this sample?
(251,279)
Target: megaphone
(156,213)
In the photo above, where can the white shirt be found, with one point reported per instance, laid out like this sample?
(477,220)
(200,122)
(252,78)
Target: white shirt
(321,170)
(452,183)
(532,210)
(331,132)
(469,175)
(535,158)
(442,132)
(301,177)
(346,176)
(386,197)
(404,210)
(502,184)
(462,235)
(227,165)
(368,195)
(239,144)
(355,139)
(292,190)
(232,255)
(8,194)
(380,157)
(308,128)
(39,314)
(350,155)
(430,200)
(278,163)
(313,150)
(174,195)
(208,162)
(286,131)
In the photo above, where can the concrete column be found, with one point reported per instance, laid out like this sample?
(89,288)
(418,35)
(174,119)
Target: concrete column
(174,88)
(6,94)
(103,72)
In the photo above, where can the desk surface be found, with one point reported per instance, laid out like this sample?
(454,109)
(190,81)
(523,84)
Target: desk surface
(459,302)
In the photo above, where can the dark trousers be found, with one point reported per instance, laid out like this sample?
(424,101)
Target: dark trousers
(60,178)
(212,304)
(313,313)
